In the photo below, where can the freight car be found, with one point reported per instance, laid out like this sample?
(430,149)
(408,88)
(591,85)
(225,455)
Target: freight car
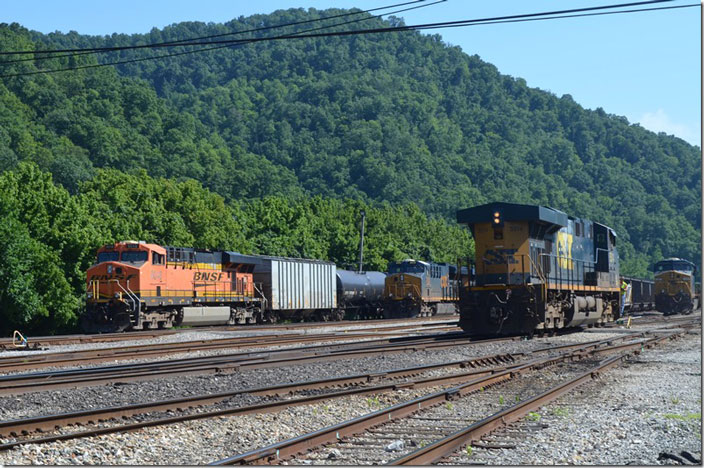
(640,295)
(135,285)
(420,289)
(360,294)
(675,291)
(537,269)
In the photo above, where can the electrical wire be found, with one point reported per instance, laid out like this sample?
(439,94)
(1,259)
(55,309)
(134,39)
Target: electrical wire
(238,43)
(192,41)
(462,23)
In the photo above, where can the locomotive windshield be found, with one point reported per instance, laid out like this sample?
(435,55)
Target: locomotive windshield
(673,265)
(108,257)
(135,256)
(406,268)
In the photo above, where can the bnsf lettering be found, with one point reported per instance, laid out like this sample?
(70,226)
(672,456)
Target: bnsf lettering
(206,276)
(112,277)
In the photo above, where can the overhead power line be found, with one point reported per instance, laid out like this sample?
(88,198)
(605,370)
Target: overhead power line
(59,53)
(236,43)
(197,40)
(560,14)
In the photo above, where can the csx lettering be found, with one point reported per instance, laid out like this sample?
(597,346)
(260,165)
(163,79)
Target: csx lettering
(206,276)
(499,256)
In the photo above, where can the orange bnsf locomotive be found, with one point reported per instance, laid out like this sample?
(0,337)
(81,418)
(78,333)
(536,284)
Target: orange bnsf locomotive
(135,285)
(537,269)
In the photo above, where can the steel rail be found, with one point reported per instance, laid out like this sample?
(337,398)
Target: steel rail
(18,363)
(448,445)
(302,443)
(39,381)
(43,423)
(51,421)
(40,341)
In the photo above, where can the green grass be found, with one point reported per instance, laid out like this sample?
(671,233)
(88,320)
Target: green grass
(469,450)
(373,402)
(449,406)
(683,417)
(561,412)
(533,416)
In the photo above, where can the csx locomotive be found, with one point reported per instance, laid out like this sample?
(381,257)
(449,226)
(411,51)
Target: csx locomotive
(674,287)
(537,269)
(420,289)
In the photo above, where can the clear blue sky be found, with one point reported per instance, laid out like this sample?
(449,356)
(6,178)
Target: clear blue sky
(645,66)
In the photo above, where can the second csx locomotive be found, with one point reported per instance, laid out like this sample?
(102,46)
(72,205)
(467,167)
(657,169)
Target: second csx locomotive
(674,286)
(537,269)
(419,289)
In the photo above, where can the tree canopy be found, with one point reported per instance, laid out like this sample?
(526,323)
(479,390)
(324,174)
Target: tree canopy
(273,147)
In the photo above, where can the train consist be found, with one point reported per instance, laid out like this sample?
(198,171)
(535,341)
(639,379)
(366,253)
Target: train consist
(420,289)
(136,286)
(675,291)
(537,269)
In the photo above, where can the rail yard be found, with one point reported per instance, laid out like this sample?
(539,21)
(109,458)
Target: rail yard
(407,391)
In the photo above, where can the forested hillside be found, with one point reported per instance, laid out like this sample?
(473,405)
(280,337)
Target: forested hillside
(395,119)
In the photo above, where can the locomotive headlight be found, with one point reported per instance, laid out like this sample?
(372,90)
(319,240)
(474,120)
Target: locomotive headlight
(109,269)
(89,295)
(117,295)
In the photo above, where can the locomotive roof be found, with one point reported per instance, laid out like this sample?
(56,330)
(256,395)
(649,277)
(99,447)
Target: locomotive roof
(512,212)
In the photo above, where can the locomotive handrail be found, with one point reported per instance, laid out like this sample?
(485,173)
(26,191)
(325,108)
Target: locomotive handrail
(132,297)
(570,279)
(265,301)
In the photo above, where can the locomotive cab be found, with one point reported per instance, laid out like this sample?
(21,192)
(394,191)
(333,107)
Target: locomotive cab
(117,281)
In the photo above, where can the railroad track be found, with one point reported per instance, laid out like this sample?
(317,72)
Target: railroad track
(93,356)
(225,363)
(375,383)
(57,340)
(427,416)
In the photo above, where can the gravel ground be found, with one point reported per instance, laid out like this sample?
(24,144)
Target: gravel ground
(633,413)
(613,428)
(34,404)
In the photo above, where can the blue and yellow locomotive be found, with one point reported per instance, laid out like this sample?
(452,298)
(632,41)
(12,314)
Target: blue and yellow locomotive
(675,291)
(537,269)
(415,288)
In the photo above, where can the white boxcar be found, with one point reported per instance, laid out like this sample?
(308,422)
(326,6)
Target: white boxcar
(293,284)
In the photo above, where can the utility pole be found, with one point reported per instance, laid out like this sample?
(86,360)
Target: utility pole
(361,242)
